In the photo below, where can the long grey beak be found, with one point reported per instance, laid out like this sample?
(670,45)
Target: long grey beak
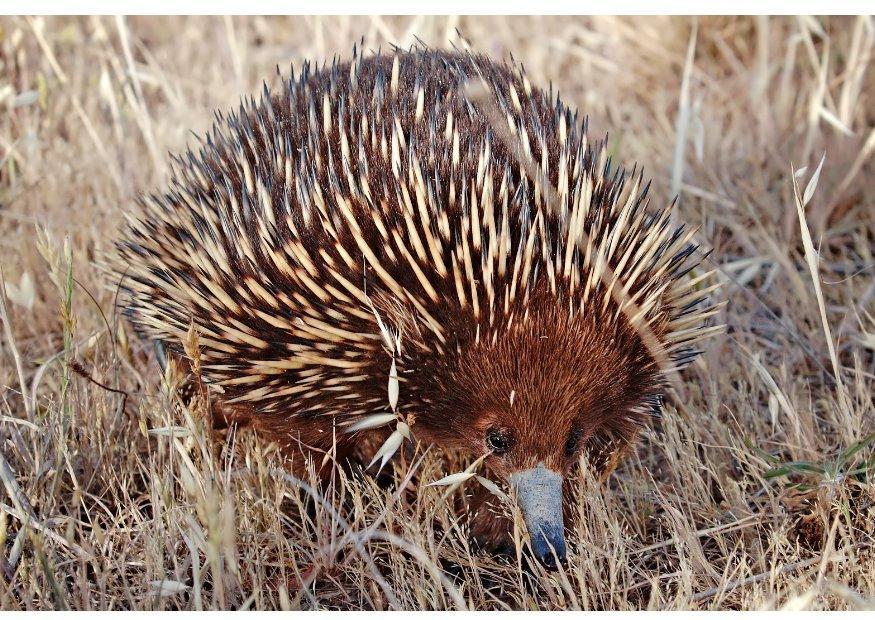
(539,493)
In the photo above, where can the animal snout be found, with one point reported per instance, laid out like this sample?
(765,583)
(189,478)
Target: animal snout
(539,494)
(548,546)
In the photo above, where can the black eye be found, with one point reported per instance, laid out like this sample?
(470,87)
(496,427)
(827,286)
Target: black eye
(497,441)
(573,441)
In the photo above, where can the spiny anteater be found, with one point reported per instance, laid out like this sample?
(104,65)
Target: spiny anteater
(379,197)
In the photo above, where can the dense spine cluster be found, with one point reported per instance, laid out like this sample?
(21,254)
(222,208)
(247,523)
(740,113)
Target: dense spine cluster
(376,192)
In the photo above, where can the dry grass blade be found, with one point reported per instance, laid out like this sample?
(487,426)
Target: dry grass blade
(166,587)
(387,450)
(143,117)
(452,479)
(13,490)
(170,431)
(372,421)
(394,387)
(812,183)
(493,488)
(683,120)
(811,258)
(732,585)
(16,355)
(23,293)
(28,522)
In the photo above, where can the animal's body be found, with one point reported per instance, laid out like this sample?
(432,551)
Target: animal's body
(375,198)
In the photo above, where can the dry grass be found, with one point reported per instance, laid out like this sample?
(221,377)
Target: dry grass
(736,497)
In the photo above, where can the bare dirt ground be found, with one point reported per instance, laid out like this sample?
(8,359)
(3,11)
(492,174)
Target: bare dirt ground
(753,490)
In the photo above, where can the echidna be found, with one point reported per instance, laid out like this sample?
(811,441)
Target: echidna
(513,269)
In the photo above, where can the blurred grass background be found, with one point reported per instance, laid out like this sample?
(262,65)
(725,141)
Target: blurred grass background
(753,490)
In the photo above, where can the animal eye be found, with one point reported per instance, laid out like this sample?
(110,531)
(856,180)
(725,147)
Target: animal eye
(573,441)
(497,441)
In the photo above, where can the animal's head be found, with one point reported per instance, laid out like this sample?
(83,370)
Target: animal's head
(537,394)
